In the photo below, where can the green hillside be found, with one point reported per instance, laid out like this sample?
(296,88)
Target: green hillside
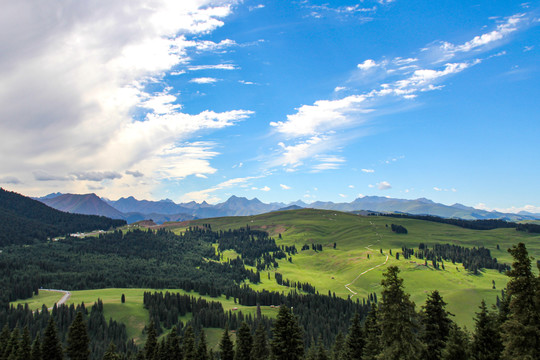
(358,237)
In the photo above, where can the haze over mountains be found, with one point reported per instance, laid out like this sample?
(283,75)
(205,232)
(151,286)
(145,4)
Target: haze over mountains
(132,210)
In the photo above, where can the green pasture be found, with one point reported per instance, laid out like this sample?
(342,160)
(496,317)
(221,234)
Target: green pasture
(132,313)
(358,236)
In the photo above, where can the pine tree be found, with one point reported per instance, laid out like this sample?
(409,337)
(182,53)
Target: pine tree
(457,345)
(320,353)
(486,344)
(338,348)
(12,348)
(436,325)
(372,331)
(354,343)
(51,348)
(36,349)
(5,336)
(111,354)
(202,348)
(173,345)
(226,345)
(25,347)
(244,342)
(151,342)
(287,341)
(398,320)
(521,330)
(78,339)
(188,345)
(260,344)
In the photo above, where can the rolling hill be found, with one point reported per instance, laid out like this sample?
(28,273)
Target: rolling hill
(363,244)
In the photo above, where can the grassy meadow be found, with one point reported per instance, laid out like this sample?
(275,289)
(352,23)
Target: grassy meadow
(359,241)
(357,261)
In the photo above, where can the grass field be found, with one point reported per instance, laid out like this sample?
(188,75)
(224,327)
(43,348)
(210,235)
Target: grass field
(359,242)
(132,312)
(359,236)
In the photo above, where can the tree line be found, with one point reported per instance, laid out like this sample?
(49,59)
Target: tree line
(473,259)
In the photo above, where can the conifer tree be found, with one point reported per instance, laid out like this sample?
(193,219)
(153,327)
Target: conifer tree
(436,325)
(25,347)
(354,343)
(398,320)
(151,342)
(5,336)
(51,348)
(260,350)
(244,342)
(110,353)
(321,351)
(202,348)
(521,330)
(78,339)
(36,349)
(457,345)
(338,348)
(173,345)
(287,341)
(486,344)
(188,345)
(226,345)
(12,348)
(372,332)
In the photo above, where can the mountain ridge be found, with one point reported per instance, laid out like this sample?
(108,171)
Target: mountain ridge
(132,209)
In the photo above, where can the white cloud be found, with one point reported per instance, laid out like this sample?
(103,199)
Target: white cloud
(322,116)
(207,194)
(246,82)
(114,50)
(367,64)
(202,176)
(343,195)
(204,80)
(339,88)
(351,186)
(384,185)
(213,67)
(437,189)
(513,209)
(368,171)
(285,187)
(97,175)
(360,196)
(266,188)
(371,186)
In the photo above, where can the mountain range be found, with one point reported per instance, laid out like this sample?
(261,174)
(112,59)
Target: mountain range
(132,210)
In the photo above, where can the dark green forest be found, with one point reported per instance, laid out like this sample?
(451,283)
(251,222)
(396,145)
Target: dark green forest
(26,221)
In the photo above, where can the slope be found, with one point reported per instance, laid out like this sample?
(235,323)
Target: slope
(359,241)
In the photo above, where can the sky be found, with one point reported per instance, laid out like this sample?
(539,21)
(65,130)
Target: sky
(279,100)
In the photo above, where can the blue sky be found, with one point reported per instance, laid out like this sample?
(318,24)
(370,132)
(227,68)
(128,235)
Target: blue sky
(311,100)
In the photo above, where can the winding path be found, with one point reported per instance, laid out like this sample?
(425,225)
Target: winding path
(368,270)
(64,298)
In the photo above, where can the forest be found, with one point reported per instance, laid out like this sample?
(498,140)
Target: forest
(391,329)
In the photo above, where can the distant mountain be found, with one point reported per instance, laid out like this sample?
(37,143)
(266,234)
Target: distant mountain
(292,207)
(24,220)
(88,204)
(161,211)
(130,204)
